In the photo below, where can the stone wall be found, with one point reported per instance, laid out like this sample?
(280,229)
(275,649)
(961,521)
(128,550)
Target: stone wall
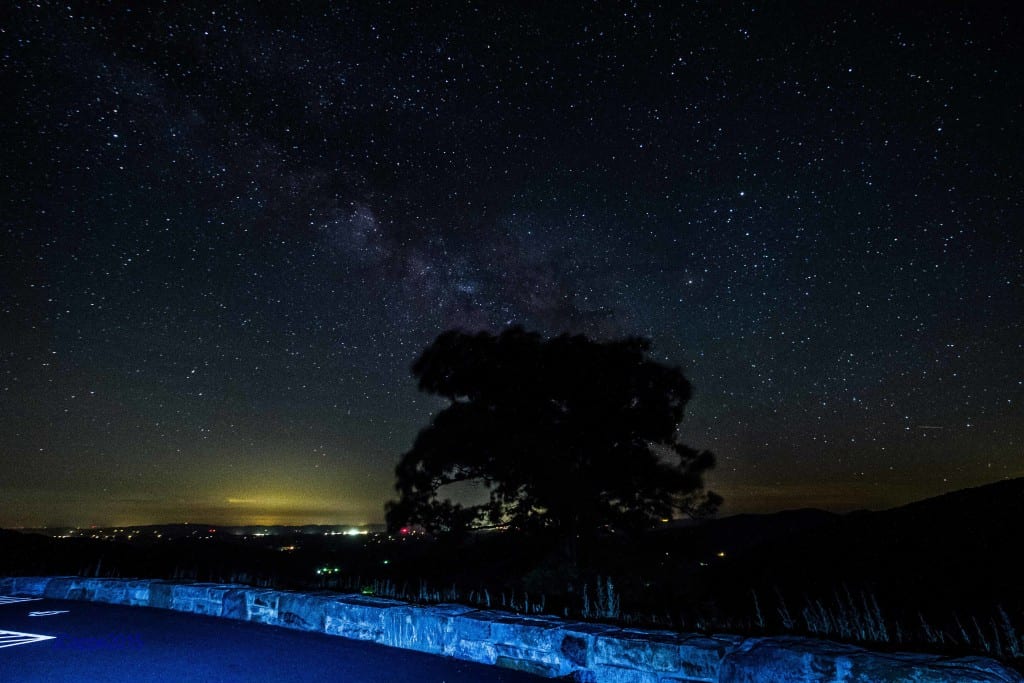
(547,646)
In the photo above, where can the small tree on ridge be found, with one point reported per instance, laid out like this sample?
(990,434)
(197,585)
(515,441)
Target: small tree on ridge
(566,433)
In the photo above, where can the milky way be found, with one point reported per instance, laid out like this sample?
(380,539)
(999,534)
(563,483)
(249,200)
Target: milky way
(227,233)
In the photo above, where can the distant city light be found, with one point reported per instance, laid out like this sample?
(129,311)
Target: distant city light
(327,570)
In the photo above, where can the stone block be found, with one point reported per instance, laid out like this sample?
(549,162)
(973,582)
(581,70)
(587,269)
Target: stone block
(528,666)
(529,633)
(578,641)
(701,657)
(425,629)
(306,612)
(137,592)
(235,604)
(535,640)
(358,617)
(30,586)
(199,598)
(653,651)
(113,591)
(977,670)
(264,606)
(540,643)
(471,636)
(161,594)
(604,673)
(251,604)
(804,660)
(65,588)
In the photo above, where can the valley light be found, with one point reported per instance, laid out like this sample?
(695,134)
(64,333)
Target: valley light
(327,570)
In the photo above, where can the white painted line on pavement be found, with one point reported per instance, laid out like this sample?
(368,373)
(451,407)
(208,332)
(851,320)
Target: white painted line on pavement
(48,613)
(12,638)
(10,599)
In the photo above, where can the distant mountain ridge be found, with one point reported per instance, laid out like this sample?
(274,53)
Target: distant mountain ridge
(964,546)
(970,507)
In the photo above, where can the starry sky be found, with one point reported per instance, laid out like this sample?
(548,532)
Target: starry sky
(229,228)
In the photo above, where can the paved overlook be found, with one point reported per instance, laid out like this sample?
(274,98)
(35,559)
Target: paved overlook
(63,640)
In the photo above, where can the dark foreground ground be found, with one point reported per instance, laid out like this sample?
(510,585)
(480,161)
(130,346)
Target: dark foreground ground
(95,642)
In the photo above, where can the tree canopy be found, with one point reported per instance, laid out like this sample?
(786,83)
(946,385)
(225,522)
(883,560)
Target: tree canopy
(564,433)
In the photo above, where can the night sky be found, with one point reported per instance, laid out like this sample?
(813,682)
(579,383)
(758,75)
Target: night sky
(227,233)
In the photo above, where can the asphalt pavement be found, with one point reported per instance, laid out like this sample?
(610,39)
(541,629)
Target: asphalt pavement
(68,641)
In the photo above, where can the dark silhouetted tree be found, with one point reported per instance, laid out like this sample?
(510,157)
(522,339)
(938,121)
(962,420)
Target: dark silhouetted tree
(566,433)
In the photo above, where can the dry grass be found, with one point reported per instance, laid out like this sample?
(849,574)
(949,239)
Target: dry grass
(845,615)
